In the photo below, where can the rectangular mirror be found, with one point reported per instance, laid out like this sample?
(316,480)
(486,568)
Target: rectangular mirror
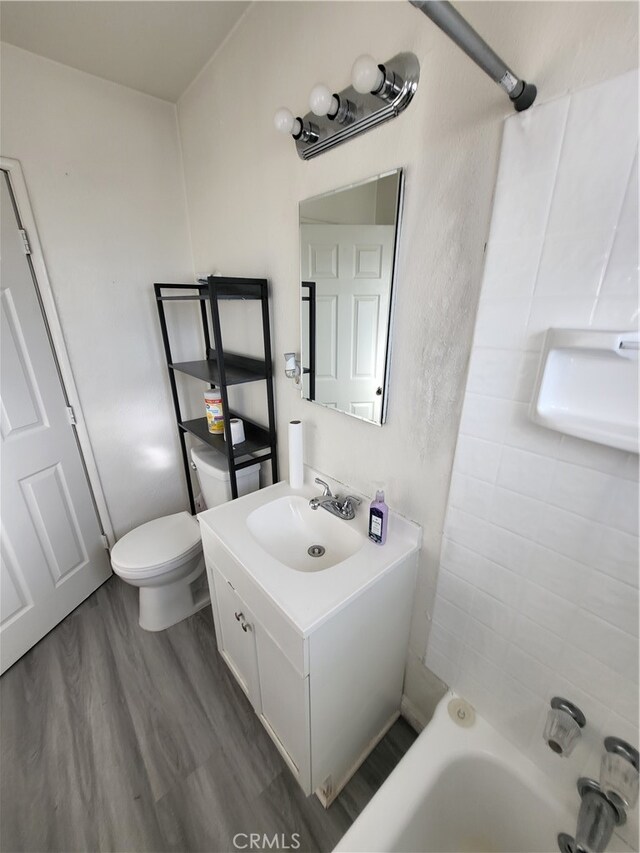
(348,242)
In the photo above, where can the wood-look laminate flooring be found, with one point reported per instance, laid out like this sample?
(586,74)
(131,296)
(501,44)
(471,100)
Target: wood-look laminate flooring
(116,739)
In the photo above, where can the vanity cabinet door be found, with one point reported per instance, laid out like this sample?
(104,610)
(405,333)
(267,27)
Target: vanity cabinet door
(285,706)
(238,641)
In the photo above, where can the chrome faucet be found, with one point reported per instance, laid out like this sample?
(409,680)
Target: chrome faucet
(342,507)
(604,805)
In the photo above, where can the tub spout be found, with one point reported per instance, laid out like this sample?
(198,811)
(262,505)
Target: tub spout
(598,817)
(596,821)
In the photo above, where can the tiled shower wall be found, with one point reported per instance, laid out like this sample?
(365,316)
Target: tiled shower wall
(538,586)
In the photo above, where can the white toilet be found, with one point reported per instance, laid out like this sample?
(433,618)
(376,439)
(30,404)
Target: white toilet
(164,556)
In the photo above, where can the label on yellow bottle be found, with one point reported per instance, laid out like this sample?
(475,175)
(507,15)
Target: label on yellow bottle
(213,407)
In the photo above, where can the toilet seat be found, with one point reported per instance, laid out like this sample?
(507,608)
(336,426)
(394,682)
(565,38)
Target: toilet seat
(157,547)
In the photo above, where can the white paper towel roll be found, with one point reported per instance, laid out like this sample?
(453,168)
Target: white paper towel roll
(237,431)
(296,452)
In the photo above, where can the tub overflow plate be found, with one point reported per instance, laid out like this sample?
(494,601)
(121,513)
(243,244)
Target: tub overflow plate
(461,713)
(315,550)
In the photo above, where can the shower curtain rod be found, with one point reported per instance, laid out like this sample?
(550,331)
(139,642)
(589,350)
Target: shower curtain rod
(451,22)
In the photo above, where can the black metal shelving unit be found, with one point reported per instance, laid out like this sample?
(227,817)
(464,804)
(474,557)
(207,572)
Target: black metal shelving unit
(222,369)
(311,370)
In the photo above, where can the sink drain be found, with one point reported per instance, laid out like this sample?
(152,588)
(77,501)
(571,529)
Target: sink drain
(315,551)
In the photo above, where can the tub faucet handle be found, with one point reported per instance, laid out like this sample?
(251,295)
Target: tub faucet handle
(619,777)
(562,728)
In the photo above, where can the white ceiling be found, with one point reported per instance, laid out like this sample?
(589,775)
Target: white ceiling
(156,46)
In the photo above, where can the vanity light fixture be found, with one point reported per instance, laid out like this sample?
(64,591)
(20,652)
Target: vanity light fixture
(379,92)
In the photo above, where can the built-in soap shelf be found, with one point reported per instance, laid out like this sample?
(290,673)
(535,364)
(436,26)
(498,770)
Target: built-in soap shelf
(587,386)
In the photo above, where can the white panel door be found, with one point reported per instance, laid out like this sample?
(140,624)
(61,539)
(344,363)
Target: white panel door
(351,266)
(52,552)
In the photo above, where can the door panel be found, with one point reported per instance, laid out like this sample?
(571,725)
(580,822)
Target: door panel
(53,556)
(55,522)
(327,342)
(351,266)
(365,313)
(21,402)
(362,410)
(14,598)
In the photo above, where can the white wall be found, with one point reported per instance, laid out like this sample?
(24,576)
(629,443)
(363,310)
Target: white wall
(102,166)
(537,592)
(244,182)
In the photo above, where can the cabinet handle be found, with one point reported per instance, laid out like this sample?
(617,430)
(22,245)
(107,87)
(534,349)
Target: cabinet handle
(239,616)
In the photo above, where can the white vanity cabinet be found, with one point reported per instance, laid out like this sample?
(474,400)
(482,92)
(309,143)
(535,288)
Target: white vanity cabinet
(279,694)
(325,692)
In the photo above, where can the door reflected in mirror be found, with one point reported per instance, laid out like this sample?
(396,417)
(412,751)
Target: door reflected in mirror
(348,242)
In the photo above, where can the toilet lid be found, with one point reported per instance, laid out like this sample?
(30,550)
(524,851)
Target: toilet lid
(161,543)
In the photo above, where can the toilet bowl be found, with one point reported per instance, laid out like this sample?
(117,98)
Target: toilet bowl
(163,557)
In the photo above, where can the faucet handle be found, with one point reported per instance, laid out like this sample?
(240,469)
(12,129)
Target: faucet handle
(349,501)
(327,491)
(617,746)
(619,777)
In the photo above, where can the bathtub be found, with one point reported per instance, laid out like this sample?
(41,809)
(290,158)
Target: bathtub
(464,790)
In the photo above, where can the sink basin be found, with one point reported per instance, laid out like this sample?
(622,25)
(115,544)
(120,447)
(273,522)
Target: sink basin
(291,532)
(268,534)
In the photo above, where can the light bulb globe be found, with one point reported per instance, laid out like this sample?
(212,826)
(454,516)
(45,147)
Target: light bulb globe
(284,120)
(366,77)
(322,101)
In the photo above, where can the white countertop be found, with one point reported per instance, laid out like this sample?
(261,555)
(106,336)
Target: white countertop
(309,598)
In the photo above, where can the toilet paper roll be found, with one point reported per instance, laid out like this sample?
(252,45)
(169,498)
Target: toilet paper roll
(296,452)
(237,431)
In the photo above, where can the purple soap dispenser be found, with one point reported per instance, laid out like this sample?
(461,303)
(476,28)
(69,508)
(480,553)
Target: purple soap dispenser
(378,519)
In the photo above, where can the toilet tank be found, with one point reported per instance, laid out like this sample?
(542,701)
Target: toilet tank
(213,474)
